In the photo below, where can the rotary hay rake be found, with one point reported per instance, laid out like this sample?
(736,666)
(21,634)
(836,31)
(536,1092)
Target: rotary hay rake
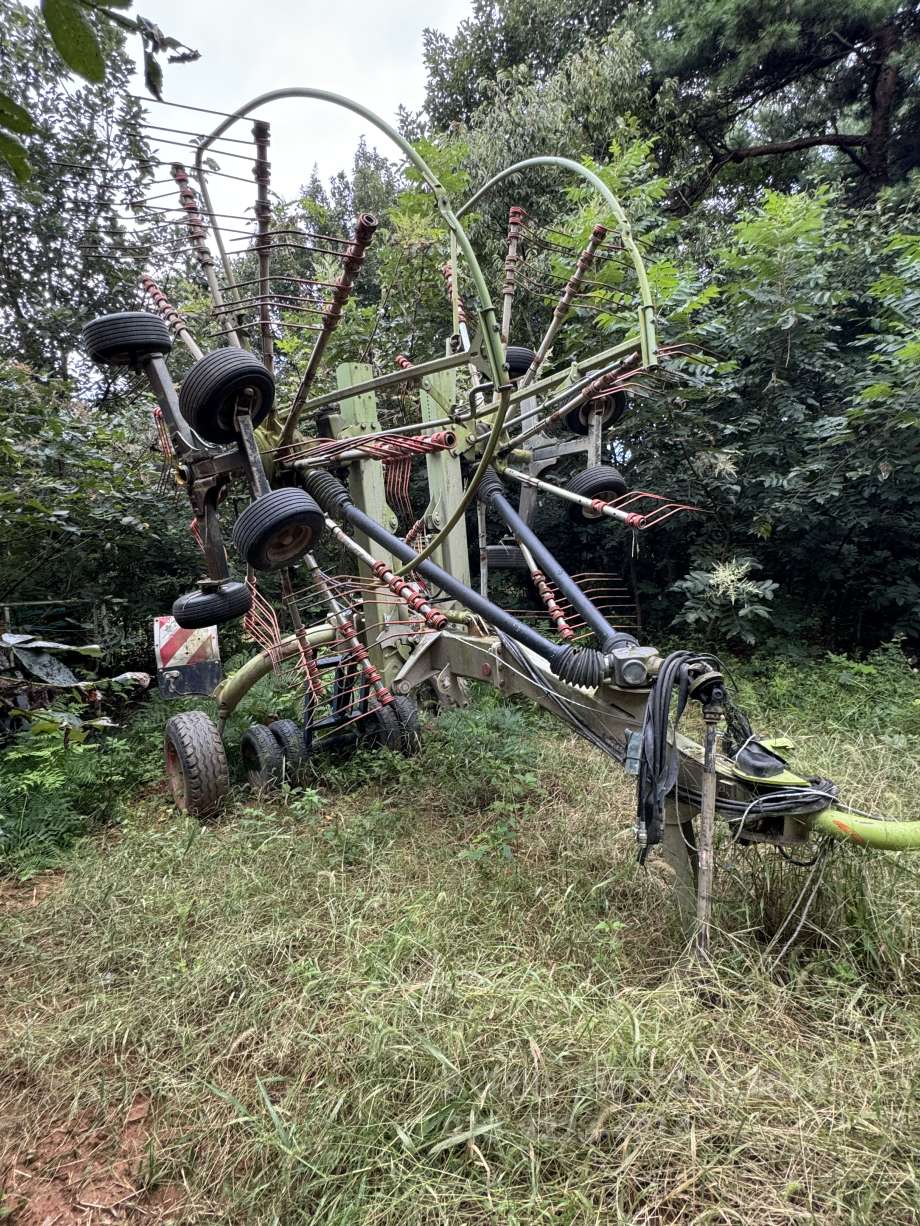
(356,648)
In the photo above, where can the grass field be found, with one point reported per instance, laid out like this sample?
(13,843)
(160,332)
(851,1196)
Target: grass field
(441,991)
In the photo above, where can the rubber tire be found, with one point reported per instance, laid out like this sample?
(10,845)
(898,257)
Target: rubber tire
(406,713)
(196,763)
(195,610)
(266,518)
(381,729)
(601,481)
(518,359)
(262,757)
(505,557)
(289,736)
(576,422)
(211,389)
(126,337)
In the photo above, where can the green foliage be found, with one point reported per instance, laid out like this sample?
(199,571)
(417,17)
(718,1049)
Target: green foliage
(737,92)
(82,516)
(82,34)
(55,785)
(724,604)
(74,39)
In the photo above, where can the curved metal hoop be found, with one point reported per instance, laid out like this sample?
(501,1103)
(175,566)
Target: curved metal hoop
(646,306)
(491,337)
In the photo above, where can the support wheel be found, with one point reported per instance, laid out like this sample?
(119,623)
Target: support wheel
(602,482)
(196,764)
(126,338)
(290,739)
(505,557)
(518,359)
(406,713)
(381,728)
(263,760)
(613,409)
(277,529)
(217,385)
(212,608)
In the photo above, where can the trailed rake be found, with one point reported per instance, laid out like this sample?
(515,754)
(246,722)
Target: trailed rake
(490,417)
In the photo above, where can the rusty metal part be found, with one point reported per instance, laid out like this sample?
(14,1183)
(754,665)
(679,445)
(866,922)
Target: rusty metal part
(198,235)
(547,595)
(516,217)
(572,287)
(622,508)
(453,292)
(365,227)
(405,589)
(307,658)
(603,384)
(262,172)
(173,318)
(356,650)
(261,623)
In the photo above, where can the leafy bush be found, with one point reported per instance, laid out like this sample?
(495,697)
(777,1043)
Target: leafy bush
(54,787)
(725,602)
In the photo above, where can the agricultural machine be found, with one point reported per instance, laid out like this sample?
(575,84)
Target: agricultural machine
(489,420)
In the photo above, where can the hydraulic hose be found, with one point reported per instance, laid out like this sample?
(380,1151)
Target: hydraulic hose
(577,665)
(492,493)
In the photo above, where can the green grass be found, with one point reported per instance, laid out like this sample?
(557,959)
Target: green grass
(440,991)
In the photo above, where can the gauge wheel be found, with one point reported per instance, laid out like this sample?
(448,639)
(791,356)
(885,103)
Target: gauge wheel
(518,359)
(289,736)
(217,385)
(602,482)
(406,713)
(614,406)
(277,529)
(196,764)
(263,760)
(126,338)
(381,728)
(212,608)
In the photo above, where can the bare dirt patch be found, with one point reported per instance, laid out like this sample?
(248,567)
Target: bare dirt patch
(16,896)
(80,1173)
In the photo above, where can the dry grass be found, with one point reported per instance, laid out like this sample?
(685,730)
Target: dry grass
(442,992)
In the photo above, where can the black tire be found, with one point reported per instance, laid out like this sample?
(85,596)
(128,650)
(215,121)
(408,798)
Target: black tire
(213,388)
(381,729)
(196,763)
(518,359)
(262,757)
(406,713)
(277,529)
(603,481)
(224,604)
(578,420)
(126,338)
(505,557)
(290,738)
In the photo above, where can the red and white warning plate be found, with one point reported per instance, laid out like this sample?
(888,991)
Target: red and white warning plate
(188,661)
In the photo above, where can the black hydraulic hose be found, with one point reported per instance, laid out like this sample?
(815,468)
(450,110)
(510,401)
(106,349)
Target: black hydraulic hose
(491,492)
(578,665)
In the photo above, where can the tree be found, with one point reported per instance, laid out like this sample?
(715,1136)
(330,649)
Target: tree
(748,79)
(737,91)
(81,33)
(71,240)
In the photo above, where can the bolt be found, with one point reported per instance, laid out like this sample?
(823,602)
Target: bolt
(403,687)
(486,670)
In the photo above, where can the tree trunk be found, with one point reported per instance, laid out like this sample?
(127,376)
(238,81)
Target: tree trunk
(883,90)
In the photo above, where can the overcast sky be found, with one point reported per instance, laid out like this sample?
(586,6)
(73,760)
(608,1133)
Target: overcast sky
(368,50)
